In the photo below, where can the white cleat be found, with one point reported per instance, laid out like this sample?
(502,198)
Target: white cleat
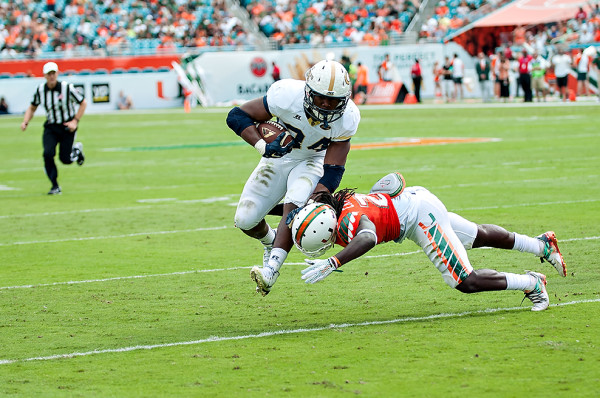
(77,153)
(393,184)
(538,295)
(264,277)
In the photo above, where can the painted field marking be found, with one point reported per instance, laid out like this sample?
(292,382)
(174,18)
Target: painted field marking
(116,278)
(210,200)
(420,141)
(214,339)
(390,142)
(115,236)
(154,203)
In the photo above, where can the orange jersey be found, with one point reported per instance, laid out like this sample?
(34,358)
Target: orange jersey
(380,210)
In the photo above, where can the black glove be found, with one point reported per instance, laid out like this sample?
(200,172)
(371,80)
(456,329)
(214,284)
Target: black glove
(275,150)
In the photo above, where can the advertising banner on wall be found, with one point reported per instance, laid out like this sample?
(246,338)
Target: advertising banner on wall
(100,92)
(147,90)
(233,77)
(228,78)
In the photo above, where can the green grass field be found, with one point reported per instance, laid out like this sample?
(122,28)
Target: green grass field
(134,282)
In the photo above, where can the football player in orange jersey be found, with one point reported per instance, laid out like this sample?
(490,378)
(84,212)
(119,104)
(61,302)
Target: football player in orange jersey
(393,212)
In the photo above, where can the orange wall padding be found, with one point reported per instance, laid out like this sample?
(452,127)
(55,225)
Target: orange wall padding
(34,67)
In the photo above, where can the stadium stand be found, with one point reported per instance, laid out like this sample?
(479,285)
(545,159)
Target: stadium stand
(76,29)
(28,29)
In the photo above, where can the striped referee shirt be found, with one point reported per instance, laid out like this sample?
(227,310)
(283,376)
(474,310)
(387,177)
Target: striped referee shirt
(58,102)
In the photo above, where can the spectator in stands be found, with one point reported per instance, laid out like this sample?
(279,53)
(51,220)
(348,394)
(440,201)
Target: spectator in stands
(458,73)
(276,73)
(124,101)
(482,67)
(525,75)
(3,106)
(538,73)
(581,15)
(586,35)
(562,67)
(417,78)
(519,35)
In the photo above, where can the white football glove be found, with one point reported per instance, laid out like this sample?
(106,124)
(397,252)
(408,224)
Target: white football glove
(319,269)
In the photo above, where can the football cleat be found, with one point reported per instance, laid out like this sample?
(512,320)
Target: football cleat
(552,253)
(77,153)
(54,191)
(393,184)
(265,278)
(538,295)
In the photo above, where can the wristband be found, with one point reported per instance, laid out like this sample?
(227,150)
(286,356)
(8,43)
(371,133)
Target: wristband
(335,262)
(261,146)
(76,119)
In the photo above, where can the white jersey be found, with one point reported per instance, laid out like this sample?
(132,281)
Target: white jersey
(562,65)
(294,176)
(458,68)
(285,99)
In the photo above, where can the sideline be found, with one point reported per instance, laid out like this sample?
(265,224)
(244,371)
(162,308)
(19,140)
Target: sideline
(284,332)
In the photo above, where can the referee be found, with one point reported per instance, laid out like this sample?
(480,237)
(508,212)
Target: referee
(60,100)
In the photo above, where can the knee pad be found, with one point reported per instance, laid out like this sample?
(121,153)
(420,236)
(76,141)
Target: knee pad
(246,215)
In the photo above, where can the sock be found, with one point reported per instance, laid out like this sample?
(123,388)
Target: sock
(519,282)
(278,256)
(268,239)
(528,245)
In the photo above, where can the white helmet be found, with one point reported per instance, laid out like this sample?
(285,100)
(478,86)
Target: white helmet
(313,229)
(329,79)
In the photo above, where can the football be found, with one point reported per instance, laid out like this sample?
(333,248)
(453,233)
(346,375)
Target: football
(269,130)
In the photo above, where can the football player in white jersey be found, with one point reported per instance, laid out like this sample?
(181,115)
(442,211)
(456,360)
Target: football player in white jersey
(322,118)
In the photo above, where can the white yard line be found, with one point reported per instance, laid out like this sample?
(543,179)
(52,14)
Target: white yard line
(161,202)
(213,339)
(230,197)
(218,199)
(114,236)
(116,278)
